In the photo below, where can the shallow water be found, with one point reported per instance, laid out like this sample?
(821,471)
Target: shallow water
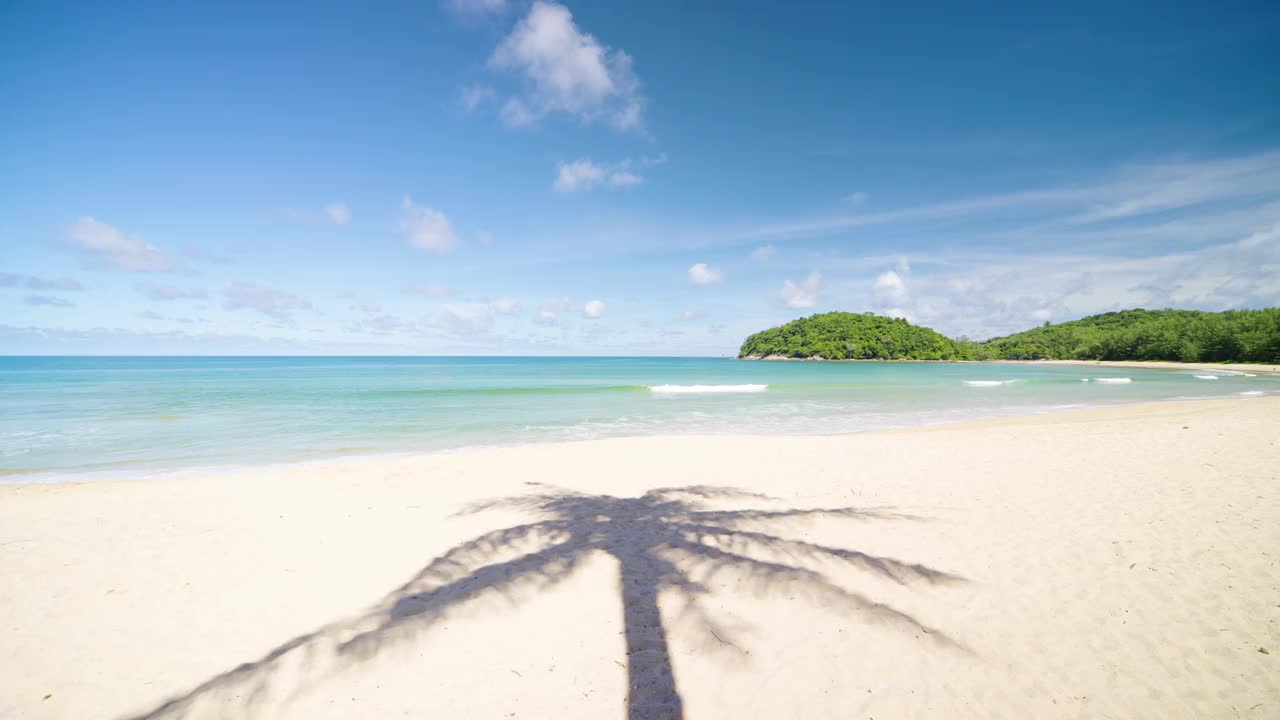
(65,417)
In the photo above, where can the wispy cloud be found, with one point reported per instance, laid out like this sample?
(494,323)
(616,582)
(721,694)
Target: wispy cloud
(155,290)
(551,309)
(473,8)
(434,290)
(266,300)
(473,96)
(1149,191)
(30,282)
(117,249)
(338,213)
(47,300)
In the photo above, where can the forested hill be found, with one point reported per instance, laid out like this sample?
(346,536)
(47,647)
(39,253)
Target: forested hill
(1180,335)
(851,336)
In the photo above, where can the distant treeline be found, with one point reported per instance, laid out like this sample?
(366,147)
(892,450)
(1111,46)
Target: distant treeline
(1179,335)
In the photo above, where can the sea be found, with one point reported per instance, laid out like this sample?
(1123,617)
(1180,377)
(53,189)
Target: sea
(83,418)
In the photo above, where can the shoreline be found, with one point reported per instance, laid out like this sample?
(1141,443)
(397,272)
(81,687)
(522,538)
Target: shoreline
(1148,364)
(165,474)
(1156,365)
(1107,561)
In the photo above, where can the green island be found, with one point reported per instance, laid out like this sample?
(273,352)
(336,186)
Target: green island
(1171,335)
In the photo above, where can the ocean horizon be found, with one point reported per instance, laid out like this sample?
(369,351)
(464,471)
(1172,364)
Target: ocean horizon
(98,417)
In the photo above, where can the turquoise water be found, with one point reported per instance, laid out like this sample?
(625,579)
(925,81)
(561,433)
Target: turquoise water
(68,417)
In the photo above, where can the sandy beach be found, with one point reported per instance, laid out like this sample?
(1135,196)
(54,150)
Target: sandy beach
(1156,365)
(1116,562)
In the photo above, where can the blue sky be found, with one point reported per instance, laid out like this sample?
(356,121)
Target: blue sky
(503,177)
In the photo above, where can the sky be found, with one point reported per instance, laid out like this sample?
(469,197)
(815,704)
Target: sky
(616,178)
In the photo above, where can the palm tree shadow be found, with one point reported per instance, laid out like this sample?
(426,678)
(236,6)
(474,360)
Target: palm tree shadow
(665,541)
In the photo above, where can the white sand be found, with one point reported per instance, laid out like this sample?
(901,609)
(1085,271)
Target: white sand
(1108,563)
(1157,365)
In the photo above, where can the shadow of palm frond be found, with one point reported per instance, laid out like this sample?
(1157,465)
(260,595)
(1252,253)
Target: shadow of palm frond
(665,541)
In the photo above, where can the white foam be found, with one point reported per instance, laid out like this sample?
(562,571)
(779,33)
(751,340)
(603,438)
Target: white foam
(1248,375)
(1252,393)
(1084,379)
(1207,377)
(1113,381)
(676,389)
(986,383)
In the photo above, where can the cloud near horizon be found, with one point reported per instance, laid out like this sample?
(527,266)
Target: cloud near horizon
(266,300)
(804,294)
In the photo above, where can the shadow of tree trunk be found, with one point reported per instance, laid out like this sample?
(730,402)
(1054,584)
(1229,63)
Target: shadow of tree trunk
(651,682)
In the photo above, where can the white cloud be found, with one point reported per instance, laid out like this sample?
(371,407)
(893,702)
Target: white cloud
(268,301)
(701,274)
(804,294)
(338,213)
(115,248)
(426,228)
(545,317)
(890,288)
(582,175)
(163,291)
(506,306)
(473,96)
(577,175)
(688,315)
(566,70)
(856,198)
(372,308)
(623,178)
(763,253)
(427,290)
(593,309)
